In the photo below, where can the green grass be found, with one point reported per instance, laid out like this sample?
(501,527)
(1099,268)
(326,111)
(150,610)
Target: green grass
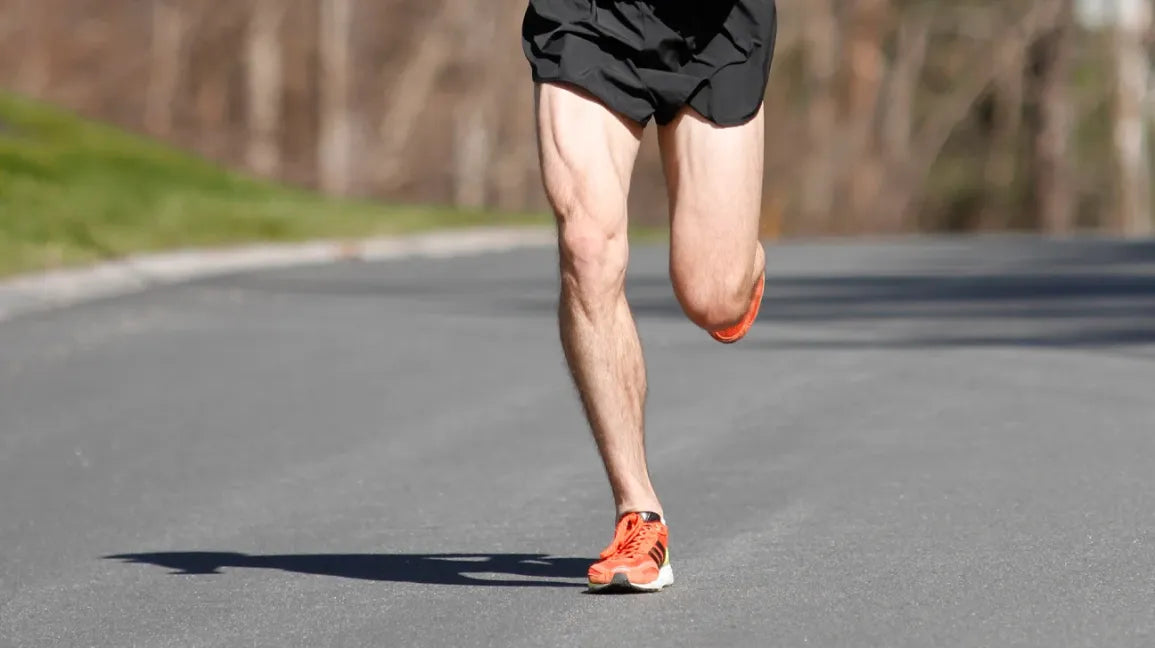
(74,192)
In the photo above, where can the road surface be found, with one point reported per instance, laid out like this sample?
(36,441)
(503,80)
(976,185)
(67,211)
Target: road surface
(933,443)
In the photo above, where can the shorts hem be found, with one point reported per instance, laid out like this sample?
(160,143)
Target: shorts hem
(730,122)
(585,87)
(745,117)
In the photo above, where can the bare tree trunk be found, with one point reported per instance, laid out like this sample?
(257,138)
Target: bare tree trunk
(1132,72)
(517,160)
(335,141)
(36,61)
(515,167)
(819,178)
(515,153)
(999,172)
(212,96)
(898,112)
(412,90)
(1051,168)
(474,128)
(473,145)
(947,112)
(168,32)
(263,153)
(865,65)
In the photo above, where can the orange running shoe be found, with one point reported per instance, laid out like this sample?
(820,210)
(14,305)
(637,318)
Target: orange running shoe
(738,331)
(637,559)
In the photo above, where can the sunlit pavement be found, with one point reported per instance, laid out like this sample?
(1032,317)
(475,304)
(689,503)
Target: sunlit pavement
(940,443)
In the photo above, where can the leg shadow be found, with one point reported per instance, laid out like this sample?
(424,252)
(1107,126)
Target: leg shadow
(488,570)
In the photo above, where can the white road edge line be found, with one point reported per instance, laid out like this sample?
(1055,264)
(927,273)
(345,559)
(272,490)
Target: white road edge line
(59,288)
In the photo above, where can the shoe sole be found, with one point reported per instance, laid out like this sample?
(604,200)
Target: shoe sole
(621,583)
(739,331)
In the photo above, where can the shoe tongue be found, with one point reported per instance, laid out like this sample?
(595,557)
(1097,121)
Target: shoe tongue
(648,516)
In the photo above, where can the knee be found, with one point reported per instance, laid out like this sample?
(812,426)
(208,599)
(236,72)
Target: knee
(593,254)
(714,301)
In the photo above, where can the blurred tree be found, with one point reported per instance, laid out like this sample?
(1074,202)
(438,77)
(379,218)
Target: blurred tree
(883,115)
(821,68)
(474,121)
(335,141)
(1051,175)
(1132,79)
(27,21)
(514,171)
(264,86)
(1004,131)
(910,57)
(167,59)
(864,70)
(409,95)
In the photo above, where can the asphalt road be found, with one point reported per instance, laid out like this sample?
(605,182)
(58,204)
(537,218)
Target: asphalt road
(921,444)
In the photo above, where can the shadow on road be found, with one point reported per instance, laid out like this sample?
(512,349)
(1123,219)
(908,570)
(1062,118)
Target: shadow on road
(1008,294)
(490,570)
(979,310)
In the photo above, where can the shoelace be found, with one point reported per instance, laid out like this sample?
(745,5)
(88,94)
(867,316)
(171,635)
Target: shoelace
(637,538)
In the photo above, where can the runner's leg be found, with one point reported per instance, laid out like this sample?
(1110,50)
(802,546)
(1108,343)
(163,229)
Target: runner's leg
(587,158)
(714,176)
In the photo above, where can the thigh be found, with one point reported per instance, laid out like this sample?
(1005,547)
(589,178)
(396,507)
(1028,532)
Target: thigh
(587,158)
(714,178)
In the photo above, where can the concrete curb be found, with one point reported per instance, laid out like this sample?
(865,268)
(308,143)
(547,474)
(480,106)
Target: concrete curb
(66,287)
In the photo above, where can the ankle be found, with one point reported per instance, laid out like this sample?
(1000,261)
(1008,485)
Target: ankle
(652,507)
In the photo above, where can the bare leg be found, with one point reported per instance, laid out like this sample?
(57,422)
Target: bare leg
(714,176)
(587,159)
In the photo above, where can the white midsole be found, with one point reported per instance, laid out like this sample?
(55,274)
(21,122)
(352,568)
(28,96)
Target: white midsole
(665,579)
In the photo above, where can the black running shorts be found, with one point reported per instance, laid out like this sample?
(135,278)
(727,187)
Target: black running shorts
(651,58)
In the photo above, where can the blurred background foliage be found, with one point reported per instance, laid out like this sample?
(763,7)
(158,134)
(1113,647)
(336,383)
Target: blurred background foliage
(884,116)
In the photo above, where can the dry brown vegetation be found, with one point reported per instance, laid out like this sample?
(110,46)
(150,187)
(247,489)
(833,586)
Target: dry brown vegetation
(884,115)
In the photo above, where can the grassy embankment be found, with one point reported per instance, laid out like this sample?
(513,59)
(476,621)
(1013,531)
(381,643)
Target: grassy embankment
(74,192)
